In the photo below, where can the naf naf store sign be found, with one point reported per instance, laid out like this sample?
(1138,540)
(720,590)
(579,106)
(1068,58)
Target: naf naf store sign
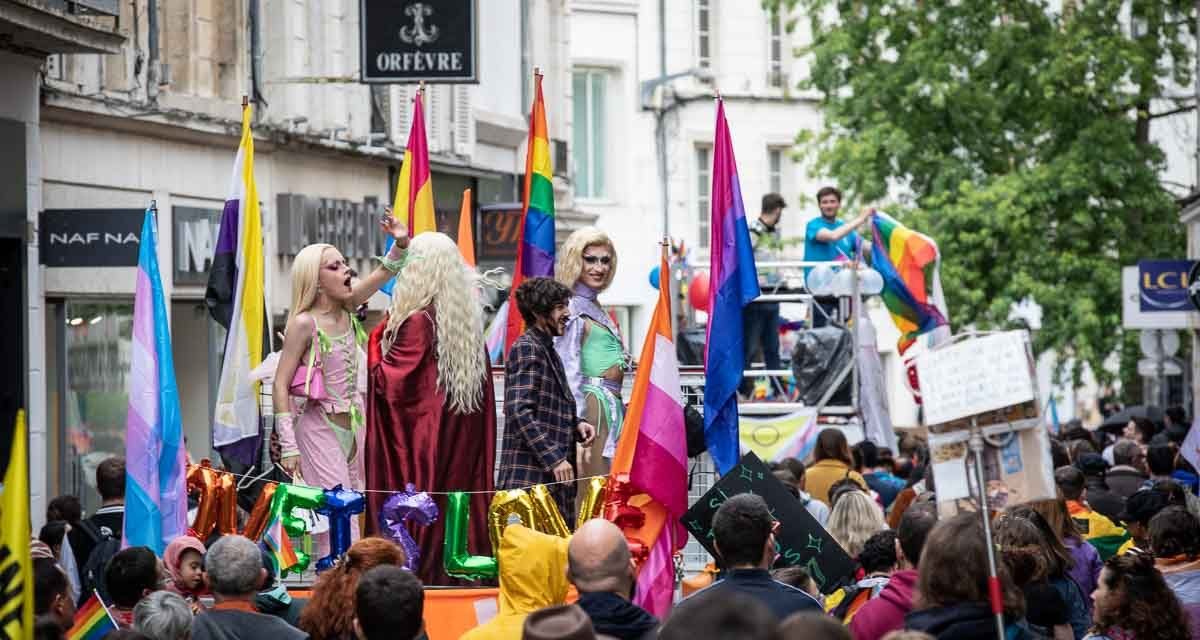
(1163,285)
(431,41)
(90,237)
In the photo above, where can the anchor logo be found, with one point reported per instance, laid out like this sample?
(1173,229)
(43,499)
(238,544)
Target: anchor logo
(419,34)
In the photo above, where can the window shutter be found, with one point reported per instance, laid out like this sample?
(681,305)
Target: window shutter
(464,121)
(401,113)
(436,117)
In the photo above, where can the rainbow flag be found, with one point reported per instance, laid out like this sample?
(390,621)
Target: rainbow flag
(235,425)
(16,563)
(912,288)
(651,457)
(733,283)
(414,188)
(279,545)
(155,462)
(92,621)
(535,254)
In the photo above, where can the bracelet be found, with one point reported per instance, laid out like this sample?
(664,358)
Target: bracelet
(393,265)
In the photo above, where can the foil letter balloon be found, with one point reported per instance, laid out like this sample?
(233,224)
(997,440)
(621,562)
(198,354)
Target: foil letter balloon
(591,504)
(288,497)
(456,559)
(227,511)
(257,522)
(340,505)
(202,480)
(508,504)
(546,516)
(401,508)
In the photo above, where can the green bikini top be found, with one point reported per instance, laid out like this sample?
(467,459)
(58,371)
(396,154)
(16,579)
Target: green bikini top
(601,350)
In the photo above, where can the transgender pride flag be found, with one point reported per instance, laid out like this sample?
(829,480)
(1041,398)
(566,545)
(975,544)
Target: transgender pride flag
(651,457)
(733,283)
(155,467)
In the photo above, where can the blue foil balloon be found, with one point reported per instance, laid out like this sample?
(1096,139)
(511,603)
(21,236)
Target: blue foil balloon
(340,505)
(654,276)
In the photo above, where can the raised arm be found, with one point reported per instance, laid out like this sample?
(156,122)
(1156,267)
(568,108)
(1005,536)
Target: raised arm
(826,235)
(365,288)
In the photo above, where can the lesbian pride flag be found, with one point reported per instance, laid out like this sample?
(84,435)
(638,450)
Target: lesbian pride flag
(912,288)
(155,466)
(733,283)
(414,188)
(651,457)
(535,253)
(235,425)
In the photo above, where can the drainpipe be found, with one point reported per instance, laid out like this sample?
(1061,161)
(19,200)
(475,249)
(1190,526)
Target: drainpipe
(152,70)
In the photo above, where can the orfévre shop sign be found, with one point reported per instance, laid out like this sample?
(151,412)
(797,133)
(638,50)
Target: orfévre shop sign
(90,237)
(433,40)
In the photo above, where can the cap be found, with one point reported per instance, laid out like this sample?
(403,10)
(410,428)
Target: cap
(1092,464)
(566,622)
(1143,505)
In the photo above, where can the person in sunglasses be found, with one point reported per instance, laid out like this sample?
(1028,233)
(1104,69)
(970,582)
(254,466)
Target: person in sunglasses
(593,356)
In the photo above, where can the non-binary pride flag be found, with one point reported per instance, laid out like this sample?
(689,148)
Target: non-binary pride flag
(535,253)
(651,457)
(92,621)
(235,426)
(733,283)
(16,565)
(414,188)
(155,463)
(912,288)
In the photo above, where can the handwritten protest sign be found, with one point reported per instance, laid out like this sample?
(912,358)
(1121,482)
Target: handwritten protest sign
(976,376)
(800,541)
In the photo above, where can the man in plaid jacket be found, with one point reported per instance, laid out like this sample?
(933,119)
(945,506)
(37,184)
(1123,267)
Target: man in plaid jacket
(541,426)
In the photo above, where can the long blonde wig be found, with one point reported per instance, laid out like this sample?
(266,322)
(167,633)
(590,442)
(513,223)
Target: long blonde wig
(434,273)
(853,520)
(570,264)
(306,268)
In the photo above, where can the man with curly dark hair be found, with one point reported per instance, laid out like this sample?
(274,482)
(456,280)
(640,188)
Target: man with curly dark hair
(541,424)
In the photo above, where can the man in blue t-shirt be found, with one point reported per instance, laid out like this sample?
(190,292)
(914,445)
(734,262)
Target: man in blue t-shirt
(827,239)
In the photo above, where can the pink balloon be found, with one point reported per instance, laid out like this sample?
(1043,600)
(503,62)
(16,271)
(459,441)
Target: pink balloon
(698,291)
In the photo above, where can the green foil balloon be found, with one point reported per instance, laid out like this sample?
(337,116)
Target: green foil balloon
(456,560)
(289,497)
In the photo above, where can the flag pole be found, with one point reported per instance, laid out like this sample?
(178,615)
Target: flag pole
(105,607)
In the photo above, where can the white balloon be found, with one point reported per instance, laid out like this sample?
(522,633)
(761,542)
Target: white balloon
(843,283)
(872,282)
(819,280)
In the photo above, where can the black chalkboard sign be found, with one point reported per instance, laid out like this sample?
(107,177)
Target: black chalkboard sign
(801,540)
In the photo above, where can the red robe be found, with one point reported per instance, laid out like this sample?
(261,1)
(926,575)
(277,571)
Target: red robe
(412,436)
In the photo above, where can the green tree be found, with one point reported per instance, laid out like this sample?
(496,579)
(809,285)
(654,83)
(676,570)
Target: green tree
(1020,136)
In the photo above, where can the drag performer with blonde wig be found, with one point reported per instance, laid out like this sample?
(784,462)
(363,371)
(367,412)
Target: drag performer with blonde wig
(320,425)
(431,411)
(591,350)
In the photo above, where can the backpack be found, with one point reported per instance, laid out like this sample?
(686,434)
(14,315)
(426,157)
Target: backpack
(91,574)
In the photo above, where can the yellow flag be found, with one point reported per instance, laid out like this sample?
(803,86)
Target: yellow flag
(16,567)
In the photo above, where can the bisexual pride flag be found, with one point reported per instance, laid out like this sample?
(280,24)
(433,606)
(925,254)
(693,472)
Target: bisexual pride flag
(733,283)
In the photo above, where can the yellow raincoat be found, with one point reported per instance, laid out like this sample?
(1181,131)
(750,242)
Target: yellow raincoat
(533,575)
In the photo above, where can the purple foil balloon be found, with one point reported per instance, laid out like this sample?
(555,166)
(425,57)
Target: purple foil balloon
(399,509)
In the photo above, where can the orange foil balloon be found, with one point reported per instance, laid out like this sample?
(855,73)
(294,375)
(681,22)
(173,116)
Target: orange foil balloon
(227,511)
(203,480)
(257,522)
(546,516)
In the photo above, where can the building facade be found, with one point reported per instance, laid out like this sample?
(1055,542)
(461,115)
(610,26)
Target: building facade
(156,118)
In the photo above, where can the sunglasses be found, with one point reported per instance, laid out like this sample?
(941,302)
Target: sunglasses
(594,260)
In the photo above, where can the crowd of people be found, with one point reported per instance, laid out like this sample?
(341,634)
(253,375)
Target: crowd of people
(1066,569)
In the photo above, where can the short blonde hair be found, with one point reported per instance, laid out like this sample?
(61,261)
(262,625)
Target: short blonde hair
(570,262)
(306,268)
(855,518)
